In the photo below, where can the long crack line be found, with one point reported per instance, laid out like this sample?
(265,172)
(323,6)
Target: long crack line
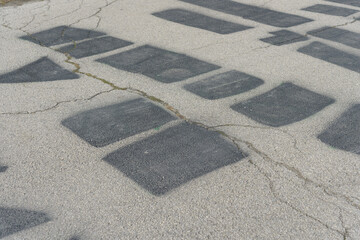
(36,14)
(94,15)
(276,196)
(346,230)
(271,184)
(292,169)
(234,140)
(177,113)
(69,13)
(56,105)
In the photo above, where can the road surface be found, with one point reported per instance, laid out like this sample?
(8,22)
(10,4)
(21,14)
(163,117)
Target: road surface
(180,119)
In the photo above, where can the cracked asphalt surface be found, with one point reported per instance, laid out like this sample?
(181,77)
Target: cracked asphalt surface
(180,119)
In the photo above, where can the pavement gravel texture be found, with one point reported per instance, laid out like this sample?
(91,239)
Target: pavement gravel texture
(180,119)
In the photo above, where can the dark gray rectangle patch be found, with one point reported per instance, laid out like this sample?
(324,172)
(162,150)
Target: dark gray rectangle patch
(14,220)
(257,14)
(94,46)
(3,168)
(102,126)
(197,20)
(173,157)
(332,55)
(347,2)
(283,105)
(284,37)
(331,10)
(348,38)
(42,70)
(158,64)
(60,35)
(344,133)
(224,85)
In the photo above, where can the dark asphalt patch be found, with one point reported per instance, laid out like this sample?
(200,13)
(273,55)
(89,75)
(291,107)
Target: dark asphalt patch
(283,105)
(3,168)
(158,64)
(348,38)
(94,46)
(344,133)
(102,126)
(284,37)
(331,10)
(173,157)
(197,20)
(355,3)
(224,85)
(42,70)
(61,35)
(332,55)
(15,220)
(257,14)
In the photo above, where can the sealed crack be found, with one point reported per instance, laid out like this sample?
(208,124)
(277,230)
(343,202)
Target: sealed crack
(128,89)
(299,175)
(276,196)
(212,128)
(295,142)
(271,184)
(236,141)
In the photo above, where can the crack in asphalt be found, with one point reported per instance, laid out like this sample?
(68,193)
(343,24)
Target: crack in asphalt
(69,13)
(47,5)
(295,142)
(297,172)
(276,196)
(95,15)
(128,89)
(56,105)
(33,16)
(346,230)
(236,141)
(107,3)
(268,177)
(212,128)
(264,156)
(300,176)
(232,139)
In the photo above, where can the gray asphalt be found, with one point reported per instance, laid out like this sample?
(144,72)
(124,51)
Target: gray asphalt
(180,119)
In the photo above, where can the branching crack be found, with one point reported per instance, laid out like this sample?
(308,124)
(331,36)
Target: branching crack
(95,15)
(236,141)
(327,190)
(69,13)
(33,17)
(128,89)
(57,104)
(276,196)
(298,174)
(295,142)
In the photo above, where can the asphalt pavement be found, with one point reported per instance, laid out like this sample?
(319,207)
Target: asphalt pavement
(180,119)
